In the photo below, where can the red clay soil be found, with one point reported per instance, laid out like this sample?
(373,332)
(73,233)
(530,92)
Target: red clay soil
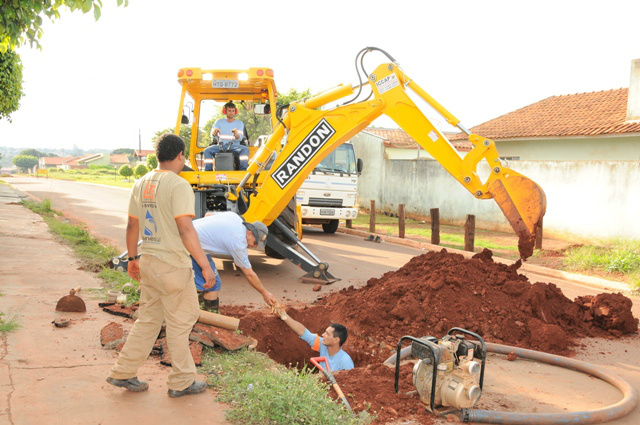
(429,295)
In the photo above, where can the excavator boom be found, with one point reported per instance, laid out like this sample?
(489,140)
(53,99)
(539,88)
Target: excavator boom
(313,133)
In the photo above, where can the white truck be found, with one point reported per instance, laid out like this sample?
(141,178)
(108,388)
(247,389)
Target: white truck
(328,195)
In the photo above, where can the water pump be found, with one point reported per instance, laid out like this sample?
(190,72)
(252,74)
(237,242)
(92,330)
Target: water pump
(449,371)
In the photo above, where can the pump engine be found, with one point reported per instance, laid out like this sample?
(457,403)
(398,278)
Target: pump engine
(449,371)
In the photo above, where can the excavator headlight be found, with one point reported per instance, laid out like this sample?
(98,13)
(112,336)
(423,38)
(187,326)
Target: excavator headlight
(180,73)
(189,73)
(304,212)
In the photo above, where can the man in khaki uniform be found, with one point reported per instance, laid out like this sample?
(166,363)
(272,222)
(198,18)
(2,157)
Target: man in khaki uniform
(161,208)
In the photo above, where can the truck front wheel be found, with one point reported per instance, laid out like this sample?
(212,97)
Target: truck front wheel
(331,226)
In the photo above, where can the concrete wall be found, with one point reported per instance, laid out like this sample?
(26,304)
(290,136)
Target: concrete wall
(584,198)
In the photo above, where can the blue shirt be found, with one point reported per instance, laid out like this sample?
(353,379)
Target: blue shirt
(224,234)
(339,361)
(226,127)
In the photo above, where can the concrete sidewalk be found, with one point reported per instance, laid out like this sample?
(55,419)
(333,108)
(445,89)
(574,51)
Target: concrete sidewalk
(52,375)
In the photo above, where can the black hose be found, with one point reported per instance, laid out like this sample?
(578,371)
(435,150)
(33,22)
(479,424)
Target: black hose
(623,407)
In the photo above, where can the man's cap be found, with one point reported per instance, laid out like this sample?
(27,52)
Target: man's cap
(259,230)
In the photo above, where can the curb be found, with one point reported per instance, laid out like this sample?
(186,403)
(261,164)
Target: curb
(591,281)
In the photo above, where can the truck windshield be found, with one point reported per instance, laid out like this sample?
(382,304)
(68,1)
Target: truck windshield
(341,160)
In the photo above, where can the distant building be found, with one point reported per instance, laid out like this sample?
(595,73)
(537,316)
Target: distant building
(141,155)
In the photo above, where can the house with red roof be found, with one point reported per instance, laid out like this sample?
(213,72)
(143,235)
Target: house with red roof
(603,125)
(399,145)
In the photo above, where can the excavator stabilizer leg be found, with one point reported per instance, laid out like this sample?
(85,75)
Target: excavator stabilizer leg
(523,203)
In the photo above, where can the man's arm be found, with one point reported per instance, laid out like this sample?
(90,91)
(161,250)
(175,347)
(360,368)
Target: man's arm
(295,326)
(190,240)
(254,281)
(133,229)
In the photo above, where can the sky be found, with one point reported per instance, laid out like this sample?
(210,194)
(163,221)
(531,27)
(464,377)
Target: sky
(102,84)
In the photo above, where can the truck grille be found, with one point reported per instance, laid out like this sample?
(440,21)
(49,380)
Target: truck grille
(325,202)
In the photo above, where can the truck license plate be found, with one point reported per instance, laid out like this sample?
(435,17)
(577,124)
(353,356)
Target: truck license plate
(225,84)
(327,212)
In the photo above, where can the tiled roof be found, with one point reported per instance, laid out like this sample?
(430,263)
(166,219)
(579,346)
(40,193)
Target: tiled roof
(582,114)
(55,160)
(119,158)
(397,138)
(142,152)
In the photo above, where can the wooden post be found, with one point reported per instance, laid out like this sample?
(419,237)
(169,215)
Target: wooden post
(469,232)
(435,226)
(401,221)
(539,237)
(372,217)
(349,224)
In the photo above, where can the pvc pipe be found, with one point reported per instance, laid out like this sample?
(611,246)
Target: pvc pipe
(623,407)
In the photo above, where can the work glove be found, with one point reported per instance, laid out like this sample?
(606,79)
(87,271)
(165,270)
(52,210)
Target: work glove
(279,311)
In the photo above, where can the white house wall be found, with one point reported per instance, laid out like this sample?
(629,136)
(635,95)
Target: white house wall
(611,148)
(584,198)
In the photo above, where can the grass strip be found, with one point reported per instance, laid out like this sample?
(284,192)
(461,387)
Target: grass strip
(98,176)
(618,257)
(389,226)
(92,253)
(261,392)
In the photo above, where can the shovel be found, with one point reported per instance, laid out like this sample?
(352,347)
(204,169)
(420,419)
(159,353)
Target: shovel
(71,302)
(332,380)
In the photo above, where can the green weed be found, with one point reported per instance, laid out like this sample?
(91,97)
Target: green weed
(8,326)
(613,256)
(260,392)
(116,280)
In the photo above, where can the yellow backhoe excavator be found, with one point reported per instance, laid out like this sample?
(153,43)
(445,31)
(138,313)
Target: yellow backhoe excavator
(303,133)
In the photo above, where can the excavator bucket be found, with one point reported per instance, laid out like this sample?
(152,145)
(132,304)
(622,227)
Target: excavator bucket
(523,203)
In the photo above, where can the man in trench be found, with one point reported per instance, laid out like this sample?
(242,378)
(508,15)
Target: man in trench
(329,345)
(227,234)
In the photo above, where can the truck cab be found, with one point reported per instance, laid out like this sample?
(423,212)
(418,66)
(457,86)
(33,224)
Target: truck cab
(329,193)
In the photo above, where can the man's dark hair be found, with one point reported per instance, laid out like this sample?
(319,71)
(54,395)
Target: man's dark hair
(228,105)
(169,147)
(339,331)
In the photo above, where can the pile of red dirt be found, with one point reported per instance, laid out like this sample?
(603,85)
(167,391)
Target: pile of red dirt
(429,295)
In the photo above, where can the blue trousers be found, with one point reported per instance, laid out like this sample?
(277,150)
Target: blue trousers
(211,151)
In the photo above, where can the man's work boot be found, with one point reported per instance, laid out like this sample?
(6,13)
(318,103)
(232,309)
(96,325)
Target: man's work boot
(196,388)
(132,384)
(212,305)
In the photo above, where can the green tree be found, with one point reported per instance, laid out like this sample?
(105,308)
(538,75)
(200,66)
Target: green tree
(125,171)
(32,152)
(292,96)
(11,83)
(140,170)
(185,135)
(21,22)
(152,161)
(25,162)
(125,151)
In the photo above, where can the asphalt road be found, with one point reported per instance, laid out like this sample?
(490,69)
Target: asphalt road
(350,258)
(513,386)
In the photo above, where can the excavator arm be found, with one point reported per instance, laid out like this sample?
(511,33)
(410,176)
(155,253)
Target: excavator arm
(311,134)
